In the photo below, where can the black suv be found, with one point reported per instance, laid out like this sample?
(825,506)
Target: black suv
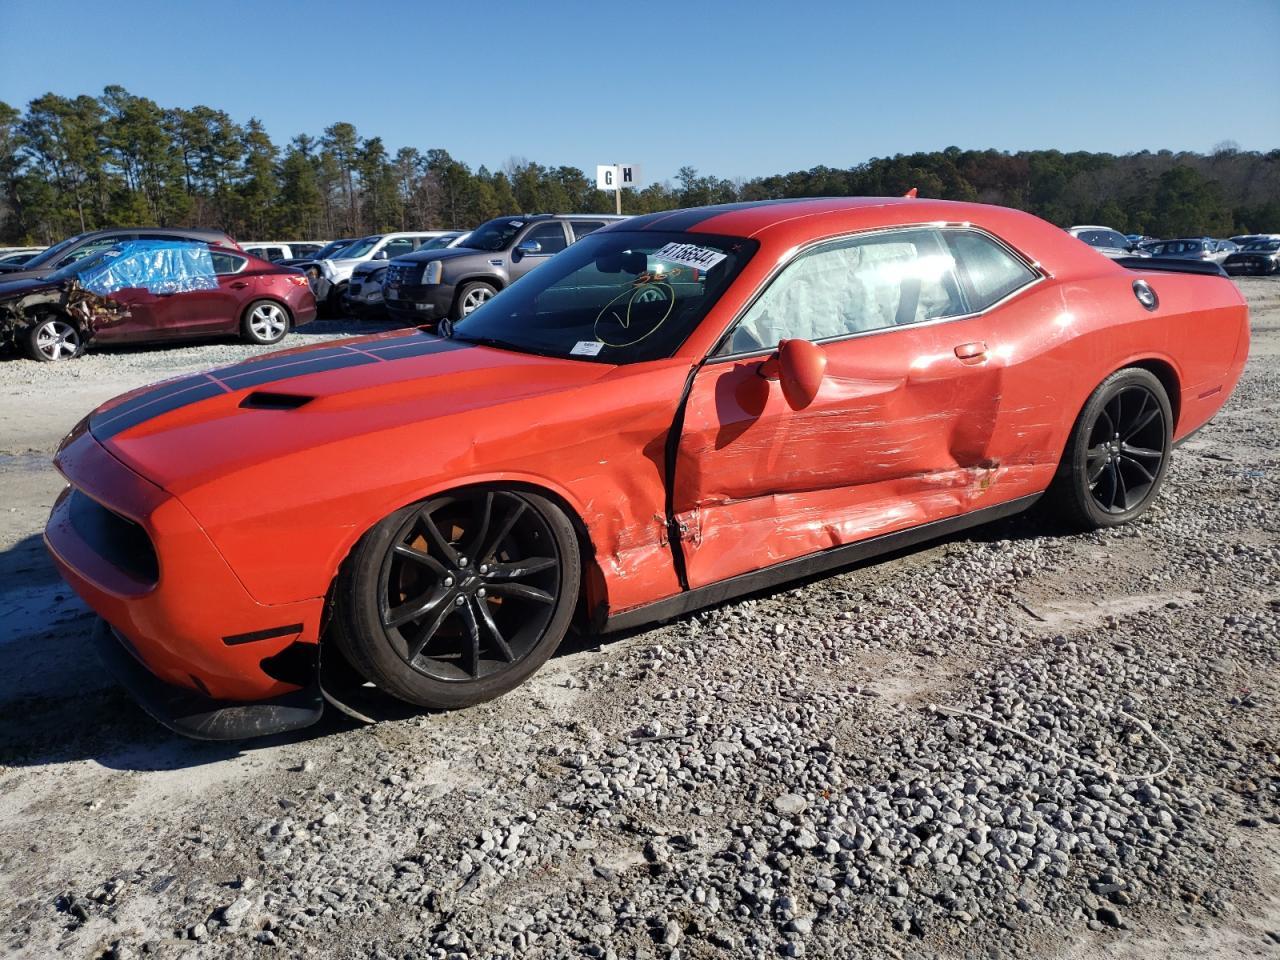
(429,285)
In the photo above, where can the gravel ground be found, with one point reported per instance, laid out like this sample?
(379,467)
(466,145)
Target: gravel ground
(1012,743)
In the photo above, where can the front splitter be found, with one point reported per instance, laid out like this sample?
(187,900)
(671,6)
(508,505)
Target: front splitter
(197,716)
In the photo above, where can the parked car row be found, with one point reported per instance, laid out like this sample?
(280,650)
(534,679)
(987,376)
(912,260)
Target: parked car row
(16,256)
(1252,254)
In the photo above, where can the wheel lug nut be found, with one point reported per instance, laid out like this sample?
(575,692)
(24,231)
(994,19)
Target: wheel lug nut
(448,581)
(459,601)
(480,592)
(462,561)
(484,568)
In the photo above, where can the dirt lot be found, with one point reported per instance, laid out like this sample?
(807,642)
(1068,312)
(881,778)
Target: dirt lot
(770,778)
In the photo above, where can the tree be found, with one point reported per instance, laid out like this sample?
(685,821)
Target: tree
(259,184)
(339,146)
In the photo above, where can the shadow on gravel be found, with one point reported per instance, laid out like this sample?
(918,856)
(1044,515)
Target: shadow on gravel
(58,705)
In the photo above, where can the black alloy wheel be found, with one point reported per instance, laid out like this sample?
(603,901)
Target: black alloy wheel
(1126,449)
(1118,452)
(459,598)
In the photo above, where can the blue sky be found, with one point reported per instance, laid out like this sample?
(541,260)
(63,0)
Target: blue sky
(734,89)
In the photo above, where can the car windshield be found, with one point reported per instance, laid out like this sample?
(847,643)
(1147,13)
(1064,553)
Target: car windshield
(84,263)
(45,257)
(358,249)
(495,235)
(1103,238)
(613,297)
(329,249)
(437,243)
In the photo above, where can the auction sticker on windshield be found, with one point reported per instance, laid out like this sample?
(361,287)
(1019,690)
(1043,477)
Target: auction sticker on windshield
(587,348)
(690,255)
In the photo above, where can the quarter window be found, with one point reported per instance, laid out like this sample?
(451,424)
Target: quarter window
(992,271)
(853,286)
(398,247)
(224,264)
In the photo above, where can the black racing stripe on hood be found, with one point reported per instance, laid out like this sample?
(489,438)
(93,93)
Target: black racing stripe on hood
(127,416)
(169,397)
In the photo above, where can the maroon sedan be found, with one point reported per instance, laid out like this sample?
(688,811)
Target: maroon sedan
(144,291)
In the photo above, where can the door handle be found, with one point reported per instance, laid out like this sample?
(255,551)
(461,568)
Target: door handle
(975,352)
(239,285)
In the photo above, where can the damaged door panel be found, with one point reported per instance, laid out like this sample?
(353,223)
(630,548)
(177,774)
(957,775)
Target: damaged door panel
(912,422)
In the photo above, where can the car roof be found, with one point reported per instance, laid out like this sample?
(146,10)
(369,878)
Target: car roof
(750,218)
(182,231)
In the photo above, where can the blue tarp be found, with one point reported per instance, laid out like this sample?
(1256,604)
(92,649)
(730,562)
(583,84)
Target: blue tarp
(158,266)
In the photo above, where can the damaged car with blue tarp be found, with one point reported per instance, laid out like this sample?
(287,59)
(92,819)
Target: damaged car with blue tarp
(149,290)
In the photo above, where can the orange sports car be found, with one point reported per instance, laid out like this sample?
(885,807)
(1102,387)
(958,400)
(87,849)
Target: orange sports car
(678,409)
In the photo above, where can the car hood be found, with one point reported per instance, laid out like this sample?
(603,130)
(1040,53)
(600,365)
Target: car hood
(23,274)
(10,288)
(184,433)
(445,253)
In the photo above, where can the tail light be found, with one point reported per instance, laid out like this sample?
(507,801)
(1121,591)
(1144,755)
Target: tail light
(298,279)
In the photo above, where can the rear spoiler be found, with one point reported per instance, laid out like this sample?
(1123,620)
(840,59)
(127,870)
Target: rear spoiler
(1172,265)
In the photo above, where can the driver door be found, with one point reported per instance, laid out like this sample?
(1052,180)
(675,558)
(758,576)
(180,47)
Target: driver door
(895,437)
(550,237)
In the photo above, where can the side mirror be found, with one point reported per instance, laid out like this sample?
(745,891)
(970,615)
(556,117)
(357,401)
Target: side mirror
(380,255)
(529,248)
(799,366)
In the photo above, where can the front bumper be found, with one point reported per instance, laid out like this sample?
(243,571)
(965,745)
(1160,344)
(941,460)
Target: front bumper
(364,301)
(1253,267)
(418,305)
(195,715)
(140,560)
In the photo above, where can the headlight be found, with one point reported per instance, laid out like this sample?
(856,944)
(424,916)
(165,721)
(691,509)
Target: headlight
(432,272)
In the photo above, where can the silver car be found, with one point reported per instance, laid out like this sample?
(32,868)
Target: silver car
(363,295)
(1108,242)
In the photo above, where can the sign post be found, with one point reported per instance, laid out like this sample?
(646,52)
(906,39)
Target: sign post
(615,176)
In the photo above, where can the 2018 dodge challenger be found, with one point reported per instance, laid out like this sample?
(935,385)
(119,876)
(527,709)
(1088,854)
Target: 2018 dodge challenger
(681,408)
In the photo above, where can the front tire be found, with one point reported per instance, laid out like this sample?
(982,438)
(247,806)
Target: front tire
(471,296)
(460,598)
(265,322)
(52,338)
(1118,452)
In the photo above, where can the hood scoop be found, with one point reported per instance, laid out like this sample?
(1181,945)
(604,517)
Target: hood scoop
(271,400)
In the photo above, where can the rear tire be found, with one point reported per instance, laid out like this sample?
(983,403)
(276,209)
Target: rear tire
(265,322)
(1118,453)
(460,598)
(52,338)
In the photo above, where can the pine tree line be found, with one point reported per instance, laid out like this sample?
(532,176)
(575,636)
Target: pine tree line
(73,164)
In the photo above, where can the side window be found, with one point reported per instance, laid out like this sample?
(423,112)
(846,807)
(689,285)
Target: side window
(992,271)
(853,286)
(398,247)
(582,227)
(550,236)
(224,264)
